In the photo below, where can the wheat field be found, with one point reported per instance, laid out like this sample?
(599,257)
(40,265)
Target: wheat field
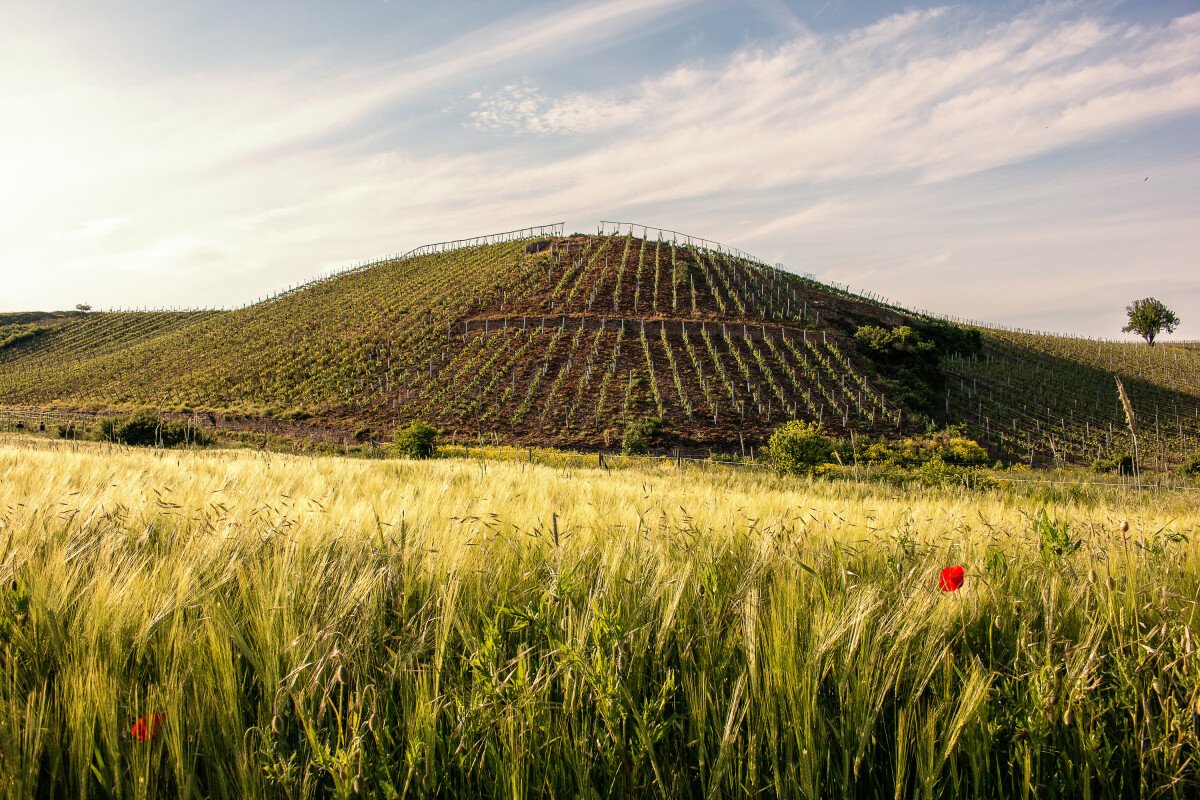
(297,627)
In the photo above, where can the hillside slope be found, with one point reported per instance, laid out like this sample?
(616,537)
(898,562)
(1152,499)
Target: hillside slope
(561,340)
(1056,396)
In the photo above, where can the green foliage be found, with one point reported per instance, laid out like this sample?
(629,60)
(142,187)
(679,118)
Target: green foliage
(14,609)
(106,429)
(418,440)
(948,448)
(934,472)
(1054,535)
(891,341)
(908,357)
(1121,463)
(638,433)
(145,429)
(798,447)
(908,363)
(1149,317)
(69,430)
(950,338)
(1191,465)
(13,335)
(962,451)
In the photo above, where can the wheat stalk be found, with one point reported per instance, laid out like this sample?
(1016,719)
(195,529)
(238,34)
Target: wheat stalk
(1130,420)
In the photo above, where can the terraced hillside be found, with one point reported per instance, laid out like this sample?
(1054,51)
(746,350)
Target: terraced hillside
(562,339)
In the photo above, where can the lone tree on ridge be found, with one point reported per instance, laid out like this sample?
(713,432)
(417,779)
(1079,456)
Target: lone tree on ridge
(1148,318)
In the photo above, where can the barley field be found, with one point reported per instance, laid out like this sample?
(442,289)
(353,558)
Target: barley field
(234,624)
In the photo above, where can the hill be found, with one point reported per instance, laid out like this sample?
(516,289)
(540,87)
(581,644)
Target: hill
(559,340)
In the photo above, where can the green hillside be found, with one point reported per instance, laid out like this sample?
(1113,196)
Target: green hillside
(561,340)
(1058,394)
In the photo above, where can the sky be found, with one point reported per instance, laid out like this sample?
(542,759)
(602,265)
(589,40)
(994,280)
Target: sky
(1035,165)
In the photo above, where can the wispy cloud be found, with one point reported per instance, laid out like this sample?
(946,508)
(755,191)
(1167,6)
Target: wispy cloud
(778,147)
(522,109)
(915,93)
(536,35)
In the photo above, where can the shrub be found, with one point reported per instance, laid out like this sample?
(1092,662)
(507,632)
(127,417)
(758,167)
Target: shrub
(67,430)
(1191,466)
(934,472)
(1122,464)
(907,358)
(106,428)
(962,451)
(948,447)
(797,447)
(418,440)
(638,433)
(144,429)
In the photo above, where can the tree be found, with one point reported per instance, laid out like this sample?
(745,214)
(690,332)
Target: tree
(84,307)
(1148,318)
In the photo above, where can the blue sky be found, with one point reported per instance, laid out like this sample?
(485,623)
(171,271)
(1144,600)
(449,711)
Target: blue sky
(1035,165)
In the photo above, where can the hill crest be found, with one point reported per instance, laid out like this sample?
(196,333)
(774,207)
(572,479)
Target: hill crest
(540,337)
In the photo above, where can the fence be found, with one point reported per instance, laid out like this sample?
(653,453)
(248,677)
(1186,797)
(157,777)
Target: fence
(533,232)
(575,459)
(45,420)
(614,228)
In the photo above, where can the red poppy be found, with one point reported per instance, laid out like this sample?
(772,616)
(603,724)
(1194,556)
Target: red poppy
(951,578)
(146,728)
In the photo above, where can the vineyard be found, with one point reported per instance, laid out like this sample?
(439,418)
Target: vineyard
(544,338)
(1054,397)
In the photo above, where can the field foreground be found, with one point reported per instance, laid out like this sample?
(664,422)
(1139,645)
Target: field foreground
(329,627)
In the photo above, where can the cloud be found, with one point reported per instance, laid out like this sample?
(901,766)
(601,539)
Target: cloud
(536,35)
(815,214)
(956,101)
(815,149)
(522,109)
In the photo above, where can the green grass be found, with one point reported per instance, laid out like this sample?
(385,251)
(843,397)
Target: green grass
(336,628)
